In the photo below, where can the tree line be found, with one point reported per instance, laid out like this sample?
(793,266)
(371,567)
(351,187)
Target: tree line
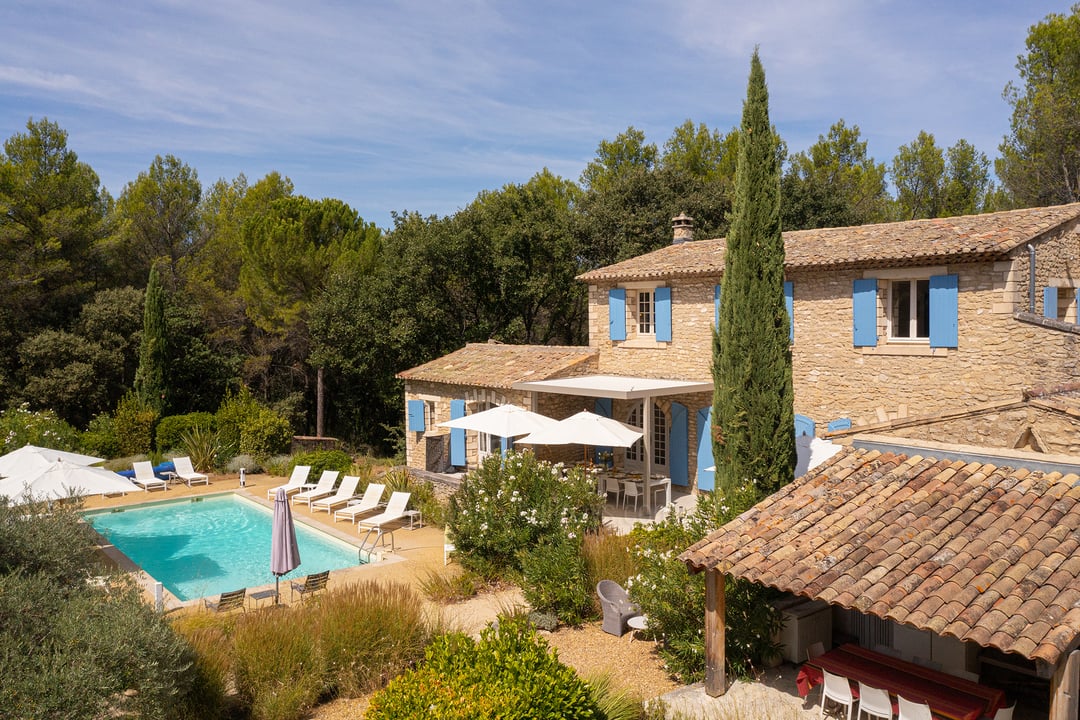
(286,294)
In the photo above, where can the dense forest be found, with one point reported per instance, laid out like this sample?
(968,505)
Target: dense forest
(259,288)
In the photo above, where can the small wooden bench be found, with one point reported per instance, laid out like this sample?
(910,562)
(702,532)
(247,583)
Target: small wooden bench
(312,584)
(232,600)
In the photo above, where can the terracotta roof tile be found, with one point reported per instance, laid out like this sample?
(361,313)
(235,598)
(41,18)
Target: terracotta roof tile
(500,366)
(960,239)
(965,550)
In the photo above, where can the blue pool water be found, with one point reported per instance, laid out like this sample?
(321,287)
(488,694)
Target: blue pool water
(212,545)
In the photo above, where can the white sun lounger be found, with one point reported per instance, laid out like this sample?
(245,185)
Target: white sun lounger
(296,482)
(369,504)
(145,477)
(386,522)
(324,487)
(345,492)
(186,472)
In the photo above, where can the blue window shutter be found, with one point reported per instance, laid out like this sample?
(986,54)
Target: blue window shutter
(716,305)
(804,426)
(457,435)
(602,407)
(839,424)
(944,311)
(679,452)
(662,305)
(415,415)
(1050,302)
(706,479)
(617,313)
(864,312)
(789,303)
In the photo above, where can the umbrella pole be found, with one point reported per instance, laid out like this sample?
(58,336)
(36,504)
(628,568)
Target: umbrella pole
(277,589)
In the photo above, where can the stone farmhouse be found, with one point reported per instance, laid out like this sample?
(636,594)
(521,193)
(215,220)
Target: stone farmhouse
(961,329)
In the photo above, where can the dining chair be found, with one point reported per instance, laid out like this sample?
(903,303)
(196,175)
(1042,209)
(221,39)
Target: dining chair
(874,702)
(814,650)
(838,690)
(1005,713)
(630,490)
(612,485)
(910,710)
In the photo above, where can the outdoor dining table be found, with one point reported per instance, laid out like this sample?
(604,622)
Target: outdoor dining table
(657,483)
(947,695)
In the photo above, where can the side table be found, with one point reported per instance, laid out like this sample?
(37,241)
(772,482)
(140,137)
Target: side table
(638,622)
(416,519)
(262,595)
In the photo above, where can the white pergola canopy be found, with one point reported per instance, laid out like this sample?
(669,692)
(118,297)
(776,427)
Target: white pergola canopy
(620,387)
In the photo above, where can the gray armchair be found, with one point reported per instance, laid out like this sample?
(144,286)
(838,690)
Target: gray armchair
(616,606)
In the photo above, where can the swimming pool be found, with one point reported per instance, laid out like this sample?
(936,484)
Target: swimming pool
(197,547)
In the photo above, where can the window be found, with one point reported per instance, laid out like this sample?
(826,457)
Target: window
(636,452)
(429,413)
(646,313)
(909,310)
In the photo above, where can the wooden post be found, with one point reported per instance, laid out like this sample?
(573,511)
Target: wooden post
(319,402)
(1064,687)
(715,681)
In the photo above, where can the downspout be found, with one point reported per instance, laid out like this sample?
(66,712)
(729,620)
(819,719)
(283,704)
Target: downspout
(1031,277)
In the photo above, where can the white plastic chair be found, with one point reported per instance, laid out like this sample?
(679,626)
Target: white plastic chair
(612,485)
(874,702)
(630,490)
(324,488)
(815,649)
(910,710)
(838,690)
(1005,713)
(187,473)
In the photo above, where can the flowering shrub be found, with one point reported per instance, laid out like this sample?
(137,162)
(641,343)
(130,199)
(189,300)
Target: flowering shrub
(516,502)
(510,673)
(20,426)
(556,580)
(674,600)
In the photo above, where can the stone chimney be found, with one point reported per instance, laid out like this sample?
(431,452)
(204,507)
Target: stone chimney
(682,227)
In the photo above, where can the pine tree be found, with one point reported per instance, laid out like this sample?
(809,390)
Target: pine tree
(150,384)
(753,415)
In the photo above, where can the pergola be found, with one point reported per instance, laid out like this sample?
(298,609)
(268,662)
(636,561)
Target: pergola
(965,549)
(620,387)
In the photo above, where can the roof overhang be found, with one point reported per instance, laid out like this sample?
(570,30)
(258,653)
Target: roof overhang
(618,387)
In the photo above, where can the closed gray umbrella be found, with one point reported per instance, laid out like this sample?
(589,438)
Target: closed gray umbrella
(284,552)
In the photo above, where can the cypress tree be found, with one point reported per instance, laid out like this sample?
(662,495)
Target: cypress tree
(150,383)
(753,415)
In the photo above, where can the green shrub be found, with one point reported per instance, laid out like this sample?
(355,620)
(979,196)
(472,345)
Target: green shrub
(200,443)
(674,600)
(510,673)
(172,428)
(21,426)
(234,411)
(265,434)
(515,502)
(99,438)
(321,460)
(133,423)
(556,580)
(277,672)
(370,632)
(422,494)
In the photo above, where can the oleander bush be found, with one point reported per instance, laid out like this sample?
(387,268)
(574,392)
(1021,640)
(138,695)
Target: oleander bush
(556,580)
(22,426)
(515,502)
(509,673)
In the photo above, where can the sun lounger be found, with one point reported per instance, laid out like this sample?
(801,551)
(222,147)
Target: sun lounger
(345,492)
(145,477)
(324,487)
(369,504)
(186,472)
(296,482)
(386,522)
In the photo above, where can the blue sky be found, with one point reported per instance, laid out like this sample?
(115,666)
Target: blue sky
(421,105)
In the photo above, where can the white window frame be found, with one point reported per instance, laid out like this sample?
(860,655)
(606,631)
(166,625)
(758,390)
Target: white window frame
(915,298)
(646,312)
(911,275)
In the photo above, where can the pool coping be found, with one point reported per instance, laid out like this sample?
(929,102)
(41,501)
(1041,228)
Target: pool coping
(170,602)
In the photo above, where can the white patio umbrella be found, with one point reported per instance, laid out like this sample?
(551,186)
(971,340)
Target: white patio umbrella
(63,479)
(284,552)
(586,428)
(505,421)
(31,459)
